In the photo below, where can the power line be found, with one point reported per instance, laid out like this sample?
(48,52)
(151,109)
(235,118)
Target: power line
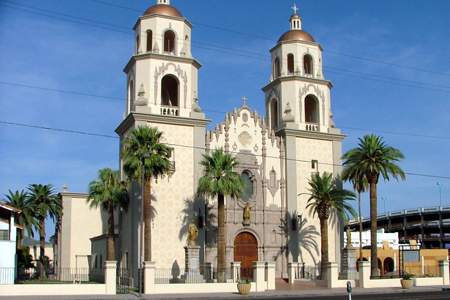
(57,129)
(60,91)
(228,30)
(217,111)
(188,146)
(269,39)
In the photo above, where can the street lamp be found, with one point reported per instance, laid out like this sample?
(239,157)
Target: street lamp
(440,184)
(384,201)
(141,238)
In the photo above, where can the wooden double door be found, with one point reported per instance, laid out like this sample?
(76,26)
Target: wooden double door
(246,251)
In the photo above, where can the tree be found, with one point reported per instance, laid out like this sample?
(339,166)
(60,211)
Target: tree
(360,184)
(373,158)
(146,140)
(220,180)
(24,258)
(48,204)
(109,192)
(325,198)
(27,217)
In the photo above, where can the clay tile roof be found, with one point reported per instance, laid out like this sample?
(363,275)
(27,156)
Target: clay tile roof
(9,207)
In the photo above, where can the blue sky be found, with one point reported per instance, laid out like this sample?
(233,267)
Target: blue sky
(388,60)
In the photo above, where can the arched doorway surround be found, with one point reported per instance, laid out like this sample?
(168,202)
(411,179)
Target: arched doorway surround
(246,251)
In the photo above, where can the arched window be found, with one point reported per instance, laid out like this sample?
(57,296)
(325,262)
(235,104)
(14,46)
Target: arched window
(138,44)
(276,68)
(169,91)
(149,41)
(290,63)
(308,67)
(169,42)
(311,109)
(248,187)
(273,114)
(187,48)
(131,95)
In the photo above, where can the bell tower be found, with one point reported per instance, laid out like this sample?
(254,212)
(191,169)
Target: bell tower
(162,92)
(162,75)
(298,96)
(298,110)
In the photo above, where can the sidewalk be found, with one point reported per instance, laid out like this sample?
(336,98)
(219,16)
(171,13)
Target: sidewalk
(253,295)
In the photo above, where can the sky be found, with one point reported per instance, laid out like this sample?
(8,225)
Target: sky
(61,67)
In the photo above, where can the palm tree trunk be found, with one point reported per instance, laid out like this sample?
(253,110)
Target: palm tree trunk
(324,246)
(41,246)
(111,238)
(373,229)
(148,219)
(221,245)
(360,228)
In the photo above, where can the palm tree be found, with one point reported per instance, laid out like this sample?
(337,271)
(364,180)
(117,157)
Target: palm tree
(374,158)
(360,185)
(141,141)
(325,198)
(110,192)
(26,218)
(48,204)
(220,180)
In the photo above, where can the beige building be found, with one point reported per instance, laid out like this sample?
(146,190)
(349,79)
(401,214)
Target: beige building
(277,153)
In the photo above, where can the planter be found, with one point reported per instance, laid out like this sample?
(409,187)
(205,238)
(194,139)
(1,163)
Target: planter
(244,288)
(406,283)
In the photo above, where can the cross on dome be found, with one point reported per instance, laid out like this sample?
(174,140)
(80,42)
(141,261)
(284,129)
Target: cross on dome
(295,8)
(244,99)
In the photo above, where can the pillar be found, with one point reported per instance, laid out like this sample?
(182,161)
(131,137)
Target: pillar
(110,276)
(270,275)
(291,272)
(235,270)
(332,274)
(149,277)
(258,275)
(364,274)
(443,272)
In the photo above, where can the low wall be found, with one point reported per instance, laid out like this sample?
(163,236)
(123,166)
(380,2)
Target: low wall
(380,283)
(428,281)
(198,288)
(52,289)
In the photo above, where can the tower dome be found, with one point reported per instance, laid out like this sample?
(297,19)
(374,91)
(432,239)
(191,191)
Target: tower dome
(296,32)
(163,7)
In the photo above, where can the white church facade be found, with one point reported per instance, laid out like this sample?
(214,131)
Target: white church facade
(277,153)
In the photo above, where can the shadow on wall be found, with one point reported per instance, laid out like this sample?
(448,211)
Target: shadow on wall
(304,236)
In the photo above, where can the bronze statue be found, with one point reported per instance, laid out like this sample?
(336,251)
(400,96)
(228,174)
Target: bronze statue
(192,234)
(247,210)
(349,237)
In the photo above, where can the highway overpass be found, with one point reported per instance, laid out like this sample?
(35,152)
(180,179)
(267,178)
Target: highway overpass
(428,225)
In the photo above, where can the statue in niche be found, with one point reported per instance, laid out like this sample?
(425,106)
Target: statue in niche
(192,234)
(247,210)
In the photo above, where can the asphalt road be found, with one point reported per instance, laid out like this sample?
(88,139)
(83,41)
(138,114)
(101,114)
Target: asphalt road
(407,295)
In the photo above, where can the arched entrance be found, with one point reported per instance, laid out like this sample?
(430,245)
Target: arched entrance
(246,251)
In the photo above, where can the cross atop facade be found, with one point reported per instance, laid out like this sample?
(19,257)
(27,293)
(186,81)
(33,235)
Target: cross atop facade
(295,8)
(244,99)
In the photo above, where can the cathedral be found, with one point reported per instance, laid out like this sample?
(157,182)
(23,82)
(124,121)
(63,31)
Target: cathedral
(277,153)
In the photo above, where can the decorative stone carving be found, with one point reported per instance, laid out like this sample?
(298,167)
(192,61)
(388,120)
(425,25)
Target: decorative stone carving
(247,214)
(192,234)
(245,139)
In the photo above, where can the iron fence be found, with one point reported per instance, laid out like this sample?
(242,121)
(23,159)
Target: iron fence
(308,272)
(204,274)
(61,276)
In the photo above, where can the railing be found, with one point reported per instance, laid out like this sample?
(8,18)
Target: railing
(309,272)
(169,110)
(204,274)
(61,276)
(312,127)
